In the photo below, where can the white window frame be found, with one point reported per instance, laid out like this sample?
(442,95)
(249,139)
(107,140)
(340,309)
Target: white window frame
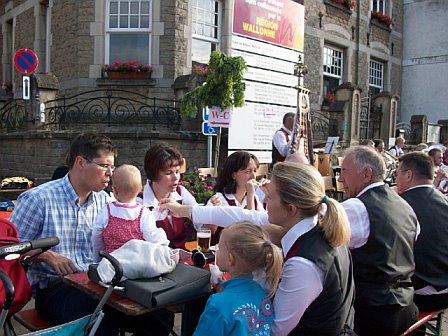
(379,6)
(108,30)
(196,20)
(332,54)
(376,74)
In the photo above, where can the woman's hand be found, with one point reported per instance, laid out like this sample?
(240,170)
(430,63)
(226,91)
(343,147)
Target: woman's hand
(264,186)
(251,185)
(176,209)
(215,201)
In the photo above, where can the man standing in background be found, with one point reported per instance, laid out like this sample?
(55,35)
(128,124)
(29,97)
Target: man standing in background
(282,139)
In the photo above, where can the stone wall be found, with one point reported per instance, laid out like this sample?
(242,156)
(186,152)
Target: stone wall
(36,154)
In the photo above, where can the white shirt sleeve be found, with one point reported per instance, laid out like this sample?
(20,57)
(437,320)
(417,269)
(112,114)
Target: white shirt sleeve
(101,221)
(279,141)
(393,151)
(226,215)
(358,219)
(302,282)
(151,233)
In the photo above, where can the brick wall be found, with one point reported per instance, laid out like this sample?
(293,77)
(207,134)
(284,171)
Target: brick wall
(37,154)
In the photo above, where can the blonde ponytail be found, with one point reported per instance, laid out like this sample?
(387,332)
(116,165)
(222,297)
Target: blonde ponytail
(302,186)
(251,245)
(334,224)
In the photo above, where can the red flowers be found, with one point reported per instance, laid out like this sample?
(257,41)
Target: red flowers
(199,69)
(382,18)
(349,4)
(127,66)
(329,97)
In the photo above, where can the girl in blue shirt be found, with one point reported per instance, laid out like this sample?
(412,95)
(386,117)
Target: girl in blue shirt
(243,307)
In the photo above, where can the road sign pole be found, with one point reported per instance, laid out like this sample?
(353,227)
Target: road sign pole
(209,151)
(26,87)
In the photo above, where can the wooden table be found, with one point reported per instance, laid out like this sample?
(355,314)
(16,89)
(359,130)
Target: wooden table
(127,306)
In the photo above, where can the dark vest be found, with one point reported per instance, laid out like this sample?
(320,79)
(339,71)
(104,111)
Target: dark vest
(332,309)
(176,233)
(384,265)
(430,251)
(276,156)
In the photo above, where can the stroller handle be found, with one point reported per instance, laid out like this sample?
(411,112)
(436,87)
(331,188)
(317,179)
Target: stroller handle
(23,247)
(118,268)
(9,290)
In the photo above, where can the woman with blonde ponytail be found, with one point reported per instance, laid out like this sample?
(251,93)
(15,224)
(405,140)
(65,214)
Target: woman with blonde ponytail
(243,307)
(316,292)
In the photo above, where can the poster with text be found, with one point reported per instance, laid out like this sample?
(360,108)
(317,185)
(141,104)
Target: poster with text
(275,21)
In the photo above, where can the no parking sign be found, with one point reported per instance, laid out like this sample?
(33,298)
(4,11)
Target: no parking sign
(25,61)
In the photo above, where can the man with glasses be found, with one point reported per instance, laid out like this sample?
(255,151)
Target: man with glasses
(414,183)
(67,208)
(383,231)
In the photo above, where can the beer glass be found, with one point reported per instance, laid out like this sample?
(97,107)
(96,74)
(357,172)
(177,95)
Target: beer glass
(204,237)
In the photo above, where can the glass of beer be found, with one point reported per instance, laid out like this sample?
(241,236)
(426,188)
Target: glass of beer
(204,236)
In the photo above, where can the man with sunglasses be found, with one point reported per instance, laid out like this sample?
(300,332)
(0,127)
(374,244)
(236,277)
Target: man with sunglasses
(67,208)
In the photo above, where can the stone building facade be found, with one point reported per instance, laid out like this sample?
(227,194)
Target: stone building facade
(73,41)
(369,52)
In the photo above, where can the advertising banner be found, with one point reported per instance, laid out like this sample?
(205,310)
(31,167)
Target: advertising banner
(274,21)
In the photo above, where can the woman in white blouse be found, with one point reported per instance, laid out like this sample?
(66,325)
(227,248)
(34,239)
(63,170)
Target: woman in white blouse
(236,186)
(315,296)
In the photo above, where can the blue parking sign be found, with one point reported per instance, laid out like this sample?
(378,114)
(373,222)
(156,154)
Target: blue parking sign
(209,130)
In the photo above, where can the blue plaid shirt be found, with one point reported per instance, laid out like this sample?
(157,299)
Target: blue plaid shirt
(53,209)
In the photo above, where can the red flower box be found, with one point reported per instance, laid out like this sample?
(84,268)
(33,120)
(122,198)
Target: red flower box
(119,75)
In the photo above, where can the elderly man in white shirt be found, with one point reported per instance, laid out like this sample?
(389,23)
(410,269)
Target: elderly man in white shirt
(383,231)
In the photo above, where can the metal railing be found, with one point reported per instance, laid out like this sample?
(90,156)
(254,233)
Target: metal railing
(108,107)
(113,107)
(13,116)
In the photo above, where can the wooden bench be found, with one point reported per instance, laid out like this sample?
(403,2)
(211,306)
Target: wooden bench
(427,318)
(31,320)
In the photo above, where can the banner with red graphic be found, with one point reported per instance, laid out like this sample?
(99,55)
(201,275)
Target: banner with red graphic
(275,21)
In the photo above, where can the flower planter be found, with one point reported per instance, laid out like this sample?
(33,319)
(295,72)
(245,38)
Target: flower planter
(119,75)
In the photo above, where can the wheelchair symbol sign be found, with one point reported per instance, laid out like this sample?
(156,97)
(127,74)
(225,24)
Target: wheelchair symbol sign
(209,130)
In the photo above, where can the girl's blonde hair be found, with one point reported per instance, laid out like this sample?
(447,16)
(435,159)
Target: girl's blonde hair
(251,245)
(302,186)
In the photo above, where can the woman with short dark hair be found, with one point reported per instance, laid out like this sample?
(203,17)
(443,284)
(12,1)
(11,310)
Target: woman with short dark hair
(162,168)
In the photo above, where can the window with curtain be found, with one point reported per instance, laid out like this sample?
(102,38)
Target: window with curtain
(333,68)
(206,23)
(376,76)
(128,30)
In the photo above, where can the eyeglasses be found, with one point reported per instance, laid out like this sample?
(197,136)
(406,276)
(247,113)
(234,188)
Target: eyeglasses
(104,166)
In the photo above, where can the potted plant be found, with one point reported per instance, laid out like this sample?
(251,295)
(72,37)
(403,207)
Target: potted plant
(382,18)
(349,4)
(328,98)
(128,70)
(200,187)
(224,86)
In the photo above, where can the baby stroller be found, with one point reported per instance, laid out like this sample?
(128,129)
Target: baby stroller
(83,326)
(13,266)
